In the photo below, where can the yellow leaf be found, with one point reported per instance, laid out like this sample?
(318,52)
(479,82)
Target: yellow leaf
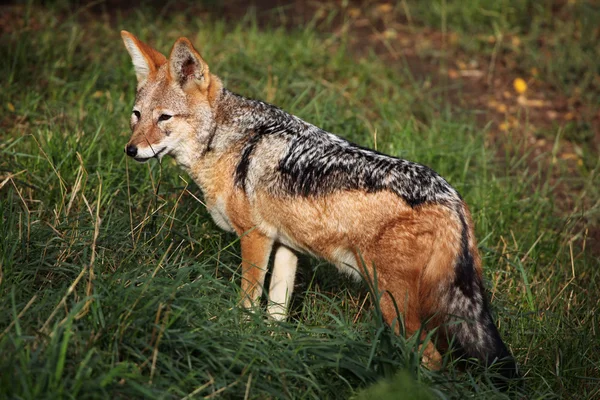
(520,85)
(97,94)
(10,107)
(503,127)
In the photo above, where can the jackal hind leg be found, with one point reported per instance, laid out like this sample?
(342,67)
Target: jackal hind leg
(405,303)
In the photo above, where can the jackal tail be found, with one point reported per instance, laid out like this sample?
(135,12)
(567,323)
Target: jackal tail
(470,326)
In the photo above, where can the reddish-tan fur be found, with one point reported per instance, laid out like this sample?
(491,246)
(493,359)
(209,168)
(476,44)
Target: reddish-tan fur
(402,243)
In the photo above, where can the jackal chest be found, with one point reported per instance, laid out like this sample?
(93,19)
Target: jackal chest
(214,177)
(218,211)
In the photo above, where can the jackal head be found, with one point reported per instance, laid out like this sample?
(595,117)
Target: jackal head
(173,110)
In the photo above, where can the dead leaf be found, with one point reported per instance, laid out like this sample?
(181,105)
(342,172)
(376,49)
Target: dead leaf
(354,12)
(472,73)
(390,34)
(533,103)
(569,156)
(453,38)
(384,8)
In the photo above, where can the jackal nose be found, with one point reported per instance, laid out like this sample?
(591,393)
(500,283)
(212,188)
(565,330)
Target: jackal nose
(131,150)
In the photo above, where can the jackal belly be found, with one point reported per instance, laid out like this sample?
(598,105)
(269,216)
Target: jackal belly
(343,257)
(351,229)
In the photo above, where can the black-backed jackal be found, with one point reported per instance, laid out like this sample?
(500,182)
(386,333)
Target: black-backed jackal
(276,180)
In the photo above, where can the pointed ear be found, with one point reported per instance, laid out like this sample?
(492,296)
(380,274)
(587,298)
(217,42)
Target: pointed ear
(146,60)
(186,65)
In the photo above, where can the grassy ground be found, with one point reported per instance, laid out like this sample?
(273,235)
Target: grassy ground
(114,282)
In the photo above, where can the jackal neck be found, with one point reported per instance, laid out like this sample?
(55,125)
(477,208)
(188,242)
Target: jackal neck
(235,113)
(236,120)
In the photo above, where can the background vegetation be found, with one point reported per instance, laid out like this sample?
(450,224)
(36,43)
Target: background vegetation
(114,282)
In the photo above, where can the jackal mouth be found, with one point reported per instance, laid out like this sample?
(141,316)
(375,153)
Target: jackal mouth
(144,159)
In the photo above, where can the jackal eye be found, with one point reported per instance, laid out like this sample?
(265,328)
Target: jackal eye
(164,117)
(137,114)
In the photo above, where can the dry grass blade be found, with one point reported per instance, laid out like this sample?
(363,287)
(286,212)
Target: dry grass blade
(13,322)
(97,222)
(63,301)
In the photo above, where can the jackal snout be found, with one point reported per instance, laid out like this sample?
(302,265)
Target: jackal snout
(130,150)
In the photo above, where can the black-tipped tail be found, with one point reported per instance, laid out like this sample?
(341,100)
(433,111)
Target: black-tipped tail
(470,326)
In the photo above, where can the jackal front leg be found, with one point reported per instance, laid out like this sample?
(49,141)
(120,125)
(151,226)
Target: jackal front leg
(282,283)
(256,249)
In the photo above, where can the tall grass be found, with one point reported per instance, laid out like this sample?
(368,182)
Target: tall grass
(114,282)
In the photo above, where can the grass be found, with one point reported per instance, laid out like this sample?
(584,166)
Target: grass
(114,282)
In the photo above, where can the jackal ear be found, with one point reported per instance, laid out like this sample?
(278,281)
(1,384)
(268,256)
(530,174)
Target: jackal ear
(186,64)
(146,60)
